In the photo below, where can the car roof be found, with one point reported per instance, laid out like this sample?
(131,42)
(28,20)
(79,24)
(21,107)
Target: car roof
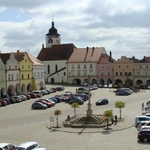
(3,144)
(27,144)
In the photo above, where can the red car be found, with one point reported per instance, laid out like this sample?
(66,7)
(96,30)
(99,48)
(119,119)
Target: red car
(3,102)
(33,95)
(45,102)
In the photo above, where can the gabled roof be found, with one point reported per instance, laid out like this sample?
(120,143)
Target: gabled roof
(20,56)
(56,52)
(87,54)
(5,57)
(34,60)
(145,60)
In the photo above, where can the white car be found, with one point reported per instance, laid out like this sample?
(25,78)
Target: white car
(7,146)
(28,146)
(40,148)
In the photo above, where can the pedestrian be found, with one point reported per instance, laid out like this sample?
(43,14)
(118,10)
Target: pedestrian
(68,117)
(112,120)
(116,120)
(142,106)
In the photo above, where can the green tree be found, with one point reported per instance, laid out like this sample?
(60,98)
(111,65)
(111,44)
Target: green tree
(57,113)
(75,105)
(108,114)
(120,105)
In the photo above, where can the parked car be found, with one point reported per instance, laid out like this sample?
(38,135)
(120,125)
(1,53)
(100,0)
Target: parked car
(143,123)
(28,146)
(82,90)
(144,135)
(7,100)
(3,102)
(40,148)
(17,98)
(7,146)
(38,93)
(33,95)
(138,119)
(123,92)
(45,102)
(102,101)
(76,100)
(38,105)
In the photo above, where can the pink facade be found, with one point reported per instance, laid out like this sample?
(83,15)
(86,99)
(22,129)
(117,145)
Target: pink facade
(105,70)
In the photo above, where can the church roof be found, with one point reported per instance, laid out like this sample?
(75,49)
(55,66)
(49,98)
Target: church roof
(56,52)
(53,31)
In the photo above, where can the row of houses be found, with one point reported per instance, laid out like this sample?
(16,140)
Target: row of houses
(65,63)
(20,72)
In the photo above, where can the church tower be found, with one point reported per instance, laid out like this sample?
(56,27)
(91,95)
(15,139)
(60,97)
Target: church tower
(52,37)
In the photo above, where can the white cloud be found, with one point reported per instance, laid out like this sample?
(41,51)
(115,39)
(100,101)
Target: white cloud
(120,26)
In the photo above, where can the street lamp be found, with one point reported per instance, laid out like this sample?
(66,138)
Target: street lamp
(89,110)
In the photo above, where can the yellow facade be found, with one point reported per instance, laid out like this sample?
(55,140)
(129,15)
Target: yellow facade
(26,77)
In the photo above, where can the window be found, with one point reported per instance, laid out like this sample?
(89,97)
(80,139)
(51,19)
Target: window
(91,66)
(28,76)
(64,73)
(48,69)
(84,73)
(102,73)
(9,66)
(120,73)
(72,67)
(56,68)
(12,77)
(78,73)
(9,77)
(22,67)
(84,66)
(78,66)
(22,76)
(108,73)
(116,73)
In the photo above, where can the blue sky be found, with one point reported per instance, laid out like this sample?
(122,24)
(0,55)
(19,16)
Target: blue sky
(122,27)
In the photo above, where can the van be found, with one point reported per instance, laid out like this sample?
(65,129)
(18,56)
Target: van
(138,119)
(143,123)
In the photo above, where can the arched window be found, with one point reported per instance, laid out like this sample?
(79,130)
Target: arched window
(56,68)
(48,69)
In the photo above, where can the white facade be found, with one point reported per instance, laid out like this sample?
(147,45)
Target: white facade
(12,74)
(38,75)
(81,71)
(55,71)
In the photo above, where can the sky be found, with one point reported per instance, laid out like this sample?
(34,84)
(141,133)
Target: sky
(120,26)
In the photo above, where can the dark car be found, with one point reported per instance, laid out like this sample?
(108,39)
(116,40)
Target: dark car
(123,92)
(44,101)
(144,135)
(38,105)
(102,101)
(76,100)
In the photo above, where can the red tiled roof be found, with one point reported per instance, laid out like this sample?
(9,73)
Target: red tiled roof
(56,52)
(5,57)
(87,54)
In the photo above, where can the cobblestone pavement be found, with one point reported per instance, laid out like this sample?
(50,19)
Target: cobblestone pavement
(18,124)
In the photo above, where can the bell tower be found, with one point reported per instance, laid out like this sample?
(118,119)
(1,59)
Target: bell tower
(52,37)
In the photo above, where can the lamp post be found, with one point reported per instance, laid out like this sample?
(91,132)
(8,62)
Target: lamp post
(89,110)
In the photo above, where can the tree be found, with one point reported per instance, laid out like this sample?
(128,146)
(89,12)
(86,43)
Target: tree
(120,105)
(56,113)
(75,105)
(108,114)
